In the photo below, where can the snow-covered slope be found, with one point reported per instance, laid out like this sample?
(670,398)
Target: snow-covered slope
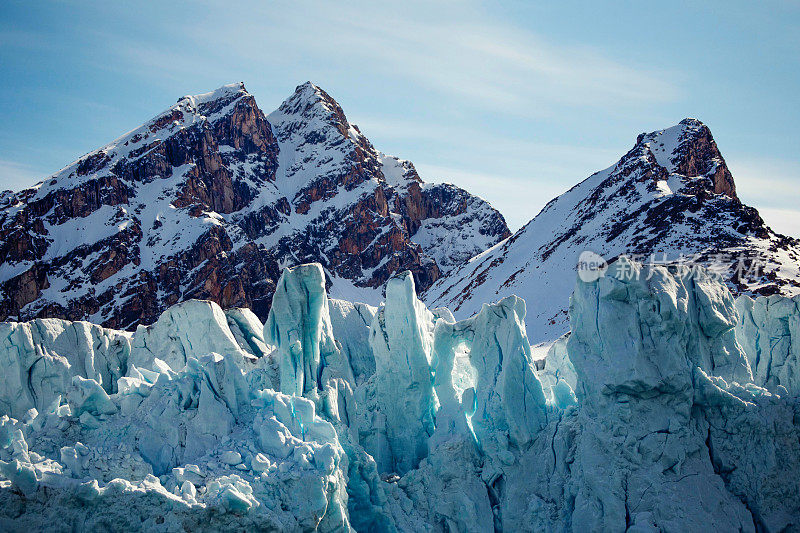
(671,195)
(211,198)
(337,416)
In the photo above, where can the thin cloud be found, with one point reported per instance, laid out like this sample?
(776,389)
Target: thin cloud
(16,176)
(770,185)
(785,221)
(471,56)
(768,182)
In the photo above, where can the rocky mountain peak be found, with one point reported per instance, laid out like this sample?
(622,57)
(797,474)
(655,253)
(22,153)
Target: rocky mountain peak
(670,198)
(211,198)
(210,103)
(688,149)
(310,108)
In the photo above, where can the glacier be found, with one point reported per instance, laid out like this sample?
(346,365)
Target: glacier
(669,406)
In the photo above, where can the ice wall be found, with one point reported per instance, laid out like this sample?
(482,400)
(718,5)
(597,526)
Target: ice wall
(768,330)
(400,402)
(310,359)
(197,449)
(637,334)
(351,323)
(647,416)
(39,359)
(664,437)
(506,404)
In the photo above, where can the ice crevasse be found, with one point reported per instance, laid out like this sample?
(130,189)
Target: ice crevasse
(669,406)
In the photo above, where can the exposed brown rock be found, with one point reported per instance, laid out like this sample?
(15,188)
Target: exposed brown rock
(209,160)
(702,157)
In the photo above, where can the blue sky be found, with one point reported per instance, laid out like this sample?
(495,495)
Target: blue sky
(515,101)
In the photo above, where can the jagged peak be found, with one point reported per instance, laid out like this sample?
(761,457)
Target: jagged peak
(231,90)
(674,136)
(186,112)
(688,148)
(309,102)
(310,93)
(692,122)
(214,104)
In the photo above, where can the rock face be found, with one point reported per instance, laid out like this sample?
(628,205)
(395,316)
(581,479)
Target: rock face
(670,196)
(211,198)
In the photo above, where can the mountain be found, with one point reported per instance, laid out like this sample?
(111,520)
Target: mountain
(671,195)
(212,198)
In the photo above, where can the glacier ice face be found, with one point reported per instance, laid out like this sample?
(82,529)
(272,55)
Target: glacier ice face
(639,445)
(310,359)
(39,359)
(157,430)
(654,322)
(663,427)
(506,404)
(336,416)
(198,446)
(768,330)
(752,437)
(188,329)
(299,325)
(400,396)
(351,323)
(248,331)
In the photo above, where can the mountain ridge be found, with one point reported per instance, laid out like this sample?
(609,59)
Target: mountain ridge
(211,199)
(671,194)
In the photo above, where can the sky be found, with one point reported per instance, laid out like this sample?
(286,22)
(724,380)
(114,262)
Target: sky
(514,101)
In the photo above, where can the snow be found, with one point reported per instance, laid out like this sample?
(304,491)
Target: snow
(10,269)
(396,171)
(86,231)
(345,289)
(663,143)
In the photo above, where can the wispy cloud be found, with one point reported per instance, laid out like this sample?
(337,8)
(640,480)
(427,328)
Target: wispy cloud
(497,146)
(769,180)
(770,185)
(474,56)
(464,54)
(786,221)
(16,176)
